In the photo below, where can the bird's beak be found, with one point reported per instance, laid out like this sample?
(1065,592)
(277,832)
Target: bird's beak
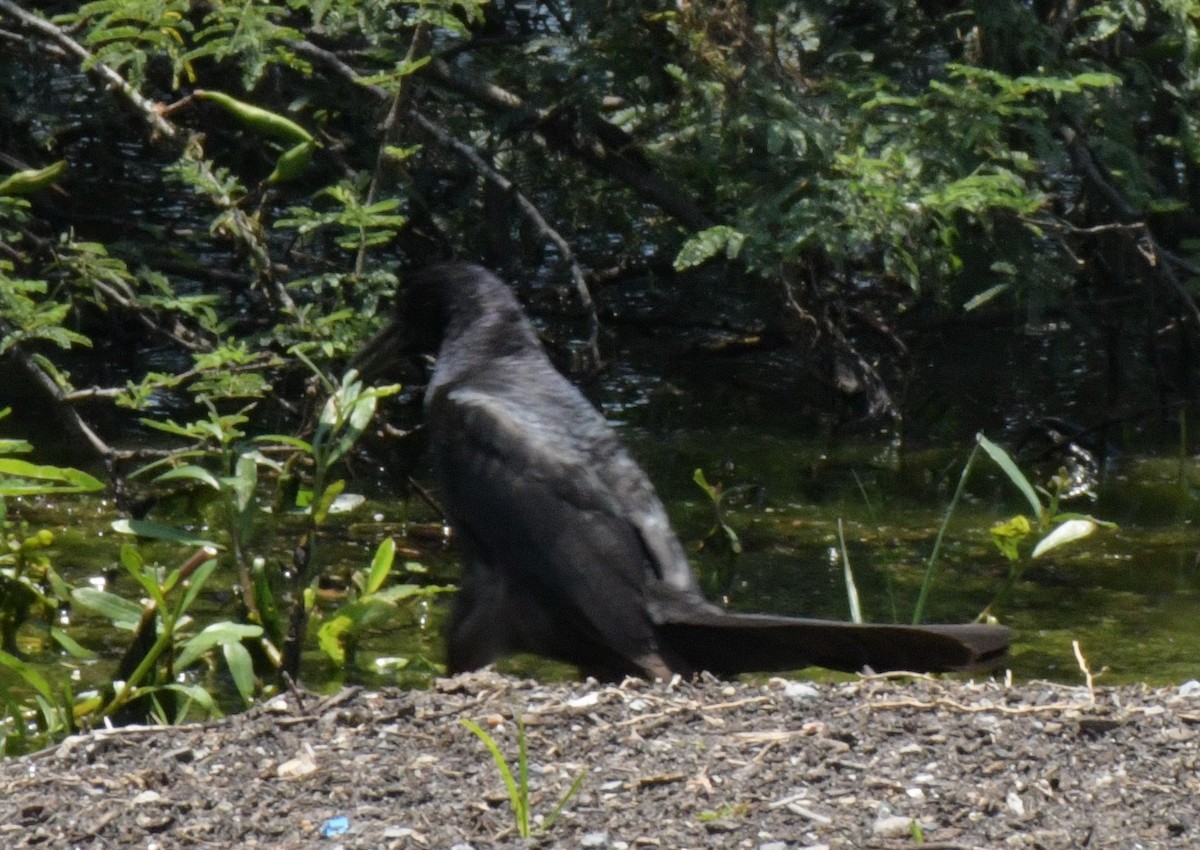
(381,356)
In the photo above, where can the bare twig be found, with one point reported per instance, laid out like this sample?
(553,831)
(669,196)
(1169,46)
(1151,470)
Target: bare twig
(622,164)
(1087,672)
(531,212)
(46,384)
(1160,262)
(418,47)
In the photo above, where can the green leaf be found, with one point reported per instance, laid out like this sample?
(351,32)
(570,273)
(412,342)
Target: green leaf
(158,531)
(123,613)
(702,482)
(984,297)
(196,583)
(1097,79)
(703,246)
(70,645)
(381,565)
(197,694)
(347,502)
(241,668)
(1008,536)
(329,637)
(284,439)
(131,558)
(218,634)
(321,511)
(146,579)
(518,801)
(244,480)
(73,480)
(31,676)
(191,472)
(1014,474)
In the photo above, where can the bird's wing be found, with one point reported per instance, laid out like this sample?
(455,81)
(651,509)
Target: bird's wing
(527,491)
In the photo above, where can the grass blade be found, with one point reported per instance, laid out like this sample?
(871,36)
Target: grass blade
(1015,475)
(514,794)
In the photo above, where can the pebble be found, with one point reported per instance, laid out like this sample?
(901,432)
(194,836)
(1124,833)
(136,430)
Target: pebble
(1190,688)
(892,826)
(800,690)
(586,701)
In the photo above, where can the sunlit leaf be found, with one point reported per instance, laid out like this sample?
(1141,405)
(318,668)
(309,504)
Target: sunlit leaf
(1066,532)
(124,613)
(217,634)
(241,669)
(329,637)
(1008,536)
(190,473)
(381,565)
(70,645)
(347,502)
(703,246)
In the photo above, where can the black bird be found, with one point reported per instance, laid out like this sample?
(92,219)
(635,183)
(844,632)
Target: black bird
(568,551)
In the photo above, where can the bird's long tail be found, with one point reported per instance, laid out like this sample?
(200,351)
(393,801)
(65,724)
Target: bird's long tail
(708,638)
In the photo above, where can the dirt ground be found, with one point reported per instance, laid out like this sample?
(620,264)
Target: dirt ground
(706,764)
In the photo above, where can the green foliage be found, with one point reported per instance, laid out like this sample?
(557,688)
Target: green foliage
(1055,526)
(707,244)
(518,786)
(28,580)
(716,494)
(717,579)
(370,605)
(356,225)
(162,644)
(51,713)
(126,34)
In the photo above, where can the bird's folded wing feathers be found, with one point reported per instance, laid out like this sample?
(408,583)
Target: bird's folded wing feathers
(543,515)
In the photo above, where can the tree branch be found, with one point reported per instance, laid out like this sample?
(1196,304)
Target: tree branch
(1159,261)
(531,212)
(47,387)
(148,108)
(623,165)
(476,160)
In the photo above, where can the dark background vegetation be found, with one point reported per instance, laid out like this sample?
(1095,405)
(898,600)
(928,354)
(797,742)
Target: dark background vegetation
(818,185)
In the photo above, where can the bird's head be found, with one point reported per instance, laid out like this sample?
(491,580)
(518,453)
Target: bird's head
(439,304)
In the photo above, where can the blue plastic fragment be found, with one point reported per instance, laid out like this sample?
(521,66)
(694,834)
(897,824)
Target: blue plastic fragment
(335,826)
